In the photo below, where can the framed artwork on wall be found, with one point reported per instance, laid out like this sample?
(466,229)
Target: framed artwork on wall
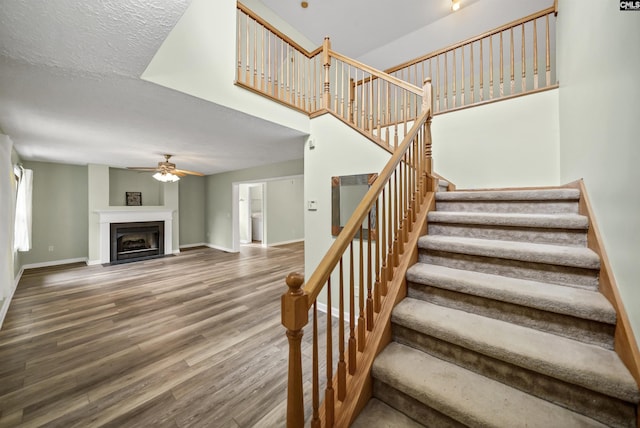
(134,198)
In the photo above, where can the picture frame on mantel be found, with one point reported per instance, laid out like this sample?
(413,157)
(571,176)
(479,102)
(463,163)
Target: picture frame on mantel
(134,198)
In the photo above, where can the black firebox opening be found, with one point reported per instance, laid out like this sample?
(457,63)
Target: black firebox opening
(136,241)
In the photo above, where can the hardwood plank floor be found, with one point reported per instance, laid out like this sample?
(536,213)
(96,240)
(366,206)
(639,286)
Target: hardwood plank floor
(189,340)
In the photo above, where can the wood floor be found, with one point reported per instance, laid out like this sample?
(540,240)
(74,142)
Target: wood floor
(189,340)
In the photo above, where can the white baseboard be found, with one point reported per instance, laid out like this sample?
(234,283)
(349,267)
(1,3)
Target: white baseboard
(293,241)
(201,244)
(57,263)
(226,250)
(93,262)
(7,301)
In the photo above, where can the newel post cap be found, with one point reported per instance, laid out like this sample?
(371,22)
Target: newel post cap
(295,310)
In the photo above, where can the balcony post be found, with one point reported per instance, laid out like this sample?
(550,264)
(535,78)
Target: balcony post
(326,63)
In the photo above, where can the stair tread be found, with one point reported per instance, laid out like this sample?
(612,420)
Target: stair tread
(549,221)
(572,301)
(522,251)
(511,195)
(377,414)
(468,397)
(574,362)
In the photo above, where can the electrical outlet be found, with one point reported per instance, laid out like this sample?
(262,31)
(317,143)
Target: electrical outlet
(50,248)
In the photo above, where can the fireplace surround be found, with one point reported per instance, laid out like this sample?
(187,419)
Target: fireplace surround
(108,216)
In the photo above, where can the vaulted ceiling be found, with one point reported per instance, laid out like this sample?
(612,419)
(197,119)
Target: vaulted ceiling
(70,87)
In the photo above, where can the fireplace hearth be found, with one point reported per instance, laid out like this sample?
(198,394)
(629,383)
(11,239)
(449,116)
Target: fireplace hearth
(136,241)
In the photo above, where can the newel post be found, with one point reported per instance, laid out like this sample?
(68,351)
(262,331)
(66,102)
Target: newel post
(427,106)
(295,315)
(326,63)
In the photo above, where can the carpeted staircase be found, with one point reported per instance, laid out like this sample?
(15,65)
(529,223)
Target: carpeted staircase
(503,325)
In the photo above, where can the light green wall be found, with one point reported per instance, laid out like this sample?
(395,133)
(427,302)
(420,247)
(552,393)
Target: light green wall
(7,198)
(192,208)
(60,216)
(219,197)
(284,210)
(122,181)
(598,60)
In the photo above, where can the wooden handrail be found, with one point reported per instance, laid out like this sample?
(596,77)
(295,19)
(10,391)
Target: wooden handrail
(497,30)
(316,281)
(407,175)
(279,33)
(378,74)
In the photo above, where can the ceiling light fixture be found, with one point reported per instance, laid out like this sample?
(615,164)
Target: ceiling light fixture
(304,4)
(166,177)
(455,5)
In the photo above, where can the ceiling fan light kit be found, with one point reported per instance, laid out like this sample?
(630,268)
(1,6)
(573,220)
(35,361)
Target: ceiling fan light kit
(166,171)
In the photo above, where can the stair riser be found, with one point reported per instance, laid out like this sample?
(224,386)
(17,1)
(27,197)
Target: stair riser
(562,275)
(543,207)
(411,407)
(605,409)
(574,238)
(592,332)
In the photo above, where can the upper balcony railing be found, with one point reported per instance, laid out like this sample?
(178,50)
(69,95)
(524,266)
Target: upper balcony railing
(511,60)
(380,106)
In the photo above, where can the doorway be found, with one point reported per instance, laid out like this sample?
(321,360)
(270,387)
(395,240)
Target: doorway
(251,213)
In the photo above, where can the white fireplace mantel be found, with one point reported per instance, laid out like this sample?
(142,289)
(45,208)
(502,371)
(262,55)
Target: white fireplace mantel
(120,215)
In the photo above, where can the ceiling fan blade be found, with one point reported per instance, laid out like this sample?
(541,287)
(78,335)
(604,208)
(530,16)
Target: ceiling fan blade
(186,171)
(178,173)
(142,168)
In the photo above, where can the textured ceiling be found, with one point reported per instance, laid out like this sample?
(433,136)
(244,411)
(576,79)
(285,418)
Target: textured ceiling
(70,92)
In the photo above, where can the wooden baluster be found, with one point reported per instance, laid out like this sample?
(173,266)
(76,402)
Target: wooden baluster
(427,96)
(491,67)
(535,54)
(501,67)
(363,104)
(370,116)
(383,245)
(391,252)
(369,277)
(326,63)
(315,384)
(375,234)
(356,104)
(387,116)
(269,64)
(262,64)
(329,393)
(512,86)
(472,71)
(453,84)
(446,84)
(397,117)
(412,190)
(523,63)
(548,54)
(294,311)
(342,364)
(379,108)
(352,96)
(336,89)
(361,320)
(481,92)
(438,83)
(352,311)
(255,54)
(239,45)
(462,79)
(247,77)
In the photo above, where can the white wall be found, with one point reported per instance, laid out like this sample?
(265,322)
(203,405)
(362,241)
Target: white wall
(6,220)
(339,150)
(508,143)
(598,63)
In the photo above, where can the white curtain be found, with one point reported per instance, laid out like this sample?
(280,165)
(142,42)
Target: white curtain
(22,233)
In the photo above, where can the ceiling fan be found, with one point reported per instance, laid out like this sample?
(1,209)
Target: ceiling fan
(166,171)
